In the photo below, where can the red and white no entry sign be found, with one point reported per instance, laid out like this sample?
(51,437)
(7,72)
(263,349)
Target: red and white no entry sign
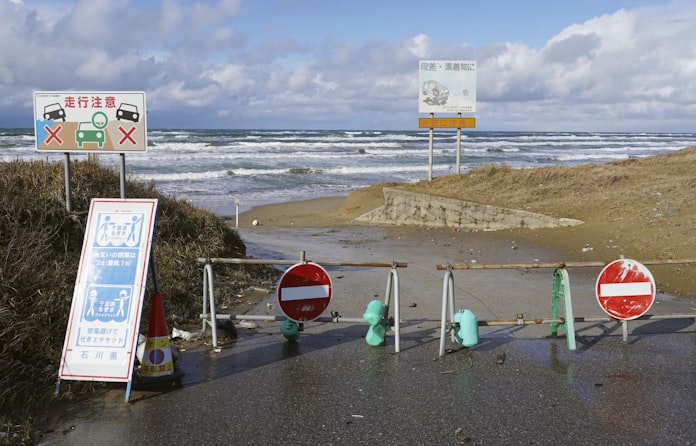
(625,289)
(304,292)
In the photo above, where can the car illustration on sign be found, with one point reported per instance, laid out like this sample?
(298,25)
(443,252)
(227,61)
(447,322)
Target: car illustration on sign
(87,132)
(127,111)
(54,111)
(435,93)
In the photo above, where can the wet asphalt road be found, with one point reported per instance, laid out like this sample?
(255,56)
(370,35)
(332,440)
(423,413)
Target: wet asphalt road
(518,386)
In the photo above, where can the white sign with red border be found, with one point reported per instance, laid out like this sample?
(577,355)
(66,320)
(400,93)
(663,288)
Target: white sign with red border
(90,121)
(102,333)
(625,289)
(304,292)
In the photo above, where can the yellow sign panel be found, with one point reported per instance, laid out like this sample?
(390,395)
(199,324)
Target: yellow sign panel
(446,123)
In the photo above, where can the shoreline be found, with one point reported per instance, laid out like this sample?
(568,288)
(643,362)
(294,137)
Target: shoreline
(566,244)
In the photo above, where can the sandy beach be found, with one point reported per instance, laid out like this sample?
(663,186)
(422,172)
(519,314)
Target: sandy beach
(640,209)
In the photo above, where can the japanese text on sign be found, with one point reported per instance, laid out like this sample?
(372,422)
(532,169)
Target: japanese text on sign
(100,341)
(90,121)
(447,86)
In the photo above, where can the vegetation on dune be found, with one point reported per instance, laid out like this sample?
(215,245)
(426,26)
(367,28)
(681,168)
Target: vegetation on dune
(644,208)
(40,247)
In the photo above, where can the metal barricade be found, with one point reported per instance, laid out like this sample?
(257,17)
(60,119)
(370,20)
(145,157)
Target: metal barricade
(561,293)
(209,314)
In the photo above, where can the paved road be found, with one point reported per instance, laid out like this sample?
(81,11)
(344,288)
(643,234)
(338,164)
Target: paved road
(517,386)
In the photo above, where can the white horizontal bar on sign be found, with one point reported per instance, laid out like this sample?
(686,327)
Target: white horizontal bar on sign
(304,292)
(625,289)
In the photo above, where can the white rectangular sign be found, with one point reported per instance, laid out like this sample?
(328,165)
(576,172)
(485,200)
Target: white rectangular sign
(306,292)
(447,86)
(102,333)
(93,121)
(625,289)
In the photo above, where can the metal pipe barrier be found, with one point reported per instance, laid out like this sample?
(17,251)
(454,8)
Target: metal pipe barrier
(560,293)
(209,316)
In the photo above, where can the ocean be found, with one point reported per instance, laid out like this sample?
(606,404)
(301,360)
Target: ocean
(213,169)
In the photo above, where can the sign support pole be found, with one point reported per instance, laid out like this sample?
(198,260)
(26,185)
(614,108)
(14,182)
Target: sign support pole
(68,193)
(459,144)
(236,213)
(153,272)
(122,157)
(433,123)
(430,152)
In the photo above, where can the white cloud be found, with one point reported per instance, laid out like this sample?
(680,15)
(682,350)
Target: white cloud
(620,69)
(231,78)
(420,46)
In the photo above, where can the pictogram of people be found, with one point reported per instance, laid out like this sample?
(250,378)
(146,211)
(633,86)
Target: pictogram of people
(123,296)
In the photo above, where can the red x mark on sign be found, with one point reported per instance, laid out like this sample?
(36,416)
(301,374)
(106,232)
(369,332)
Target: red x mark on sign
(54,134)
(126,135)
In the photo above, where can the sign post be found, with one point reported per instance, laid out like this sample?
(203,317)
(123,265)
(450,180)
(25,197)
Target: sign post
(304,292)
(446,87)
(92,122)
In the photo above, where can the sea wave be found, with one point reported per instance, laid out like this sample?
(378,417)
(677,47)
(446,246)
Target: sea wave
(266,166)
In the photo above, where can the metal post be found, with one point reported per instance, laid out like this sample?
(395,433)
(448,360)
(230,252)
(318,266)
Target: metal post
(397,312)
(122,157)
(129,386)
(209,293)
(430,153)
(459,144)
(624,330)
(393,287)
(561,290)
(68,193)
(555,298)
(447,302)
(236,213)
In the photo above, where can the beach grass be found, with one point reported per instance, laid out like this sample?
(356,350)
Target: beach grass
(40,247)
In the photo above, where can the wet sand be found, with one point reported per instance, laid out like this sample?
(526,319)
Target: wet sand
(323,229)
(589,242)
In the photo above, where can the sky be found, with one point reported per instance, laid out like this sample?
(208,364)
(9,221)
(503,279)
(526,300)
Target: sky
(541,65)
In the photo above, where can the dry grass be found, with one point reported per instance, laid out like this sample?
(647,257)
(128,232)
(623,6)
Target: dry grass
(641,208)
(40,246)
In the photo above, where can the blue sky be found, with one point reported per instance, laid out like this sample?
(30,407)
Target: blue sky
(546,65)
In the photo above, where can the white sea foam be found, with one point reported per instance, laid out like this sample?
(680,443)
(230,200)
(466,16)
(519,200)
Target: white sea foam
(208,167)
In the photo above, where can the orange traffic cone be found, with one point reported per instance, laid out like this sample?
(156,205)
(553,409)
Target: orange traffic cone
(157,359)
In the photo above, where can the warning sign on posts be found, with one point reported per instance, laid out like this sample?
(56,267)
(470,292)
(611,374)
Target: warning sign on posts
(101,337)
(90,121)
(447,86)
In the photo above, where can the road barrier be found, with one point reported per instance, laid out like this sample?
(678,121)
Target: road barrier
(560,294)
(210,314)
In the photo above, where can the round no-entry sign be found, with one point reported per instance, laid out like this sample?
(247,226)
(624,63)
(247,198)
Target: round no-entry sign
(625,289)
(304,292)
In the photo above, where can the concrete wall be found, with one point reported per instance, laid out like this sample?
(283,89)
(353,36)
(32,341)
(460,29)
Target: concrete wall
(410,208)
